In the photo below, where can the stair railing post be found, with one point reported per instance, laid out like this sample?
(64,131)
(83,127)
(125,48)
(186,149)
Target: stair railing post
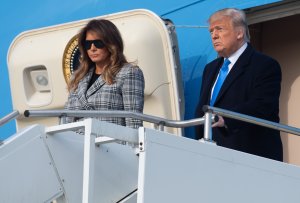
(207,127)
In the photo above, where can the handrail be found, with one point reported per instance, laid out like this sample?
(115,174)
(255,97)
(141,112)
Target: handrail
(156,120)
(9,117)
(251,119)
(122,114)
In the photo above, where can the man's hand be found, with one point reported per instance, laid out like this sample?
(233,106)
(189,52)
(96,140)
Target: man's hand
(219,123)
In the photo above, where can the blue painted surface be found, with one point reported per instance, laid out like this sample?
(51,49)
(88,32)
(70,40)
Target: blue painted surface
(194,43)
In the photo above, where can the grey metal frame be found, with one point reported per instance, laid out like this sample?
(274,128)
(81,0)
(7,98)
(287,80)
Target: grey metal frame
(209,111)
(159,123)
(9,117)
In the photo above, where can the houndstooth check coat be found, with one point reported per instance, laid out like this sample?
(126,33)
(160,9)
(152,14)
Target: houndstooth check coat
(127,93)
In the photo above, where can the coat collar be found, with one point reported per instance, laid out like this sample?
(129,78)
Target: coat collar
(83,91)
(95,86)
(239,67)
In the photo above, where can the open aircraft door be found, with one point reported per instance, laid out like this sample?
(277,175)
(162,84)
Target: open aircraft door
(41,61)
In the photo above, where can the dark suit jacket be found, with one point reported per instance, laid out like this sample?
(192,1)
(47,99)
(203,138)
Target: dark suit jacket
(252,87)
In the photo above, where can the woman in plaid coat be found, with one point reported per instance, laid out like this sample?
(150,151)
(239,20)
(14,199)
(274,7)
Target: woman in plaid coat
(104,79)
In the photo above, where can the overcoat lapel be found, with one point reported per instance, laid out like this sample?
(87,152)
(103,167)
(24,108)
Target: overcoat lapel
(239,67)
(211,78)
(95,86)
(83,89)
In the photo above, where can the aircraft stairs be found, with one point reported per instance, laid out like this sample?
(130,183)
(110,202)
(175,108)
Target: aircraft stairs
(94,161)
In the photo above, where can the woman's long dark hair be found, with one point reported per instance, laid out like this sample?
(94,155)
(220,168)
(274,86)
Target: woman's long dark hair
(112,39)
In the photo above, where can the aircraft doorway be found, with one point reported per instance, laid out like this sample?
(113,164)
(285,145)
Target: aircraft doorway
(274,31)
